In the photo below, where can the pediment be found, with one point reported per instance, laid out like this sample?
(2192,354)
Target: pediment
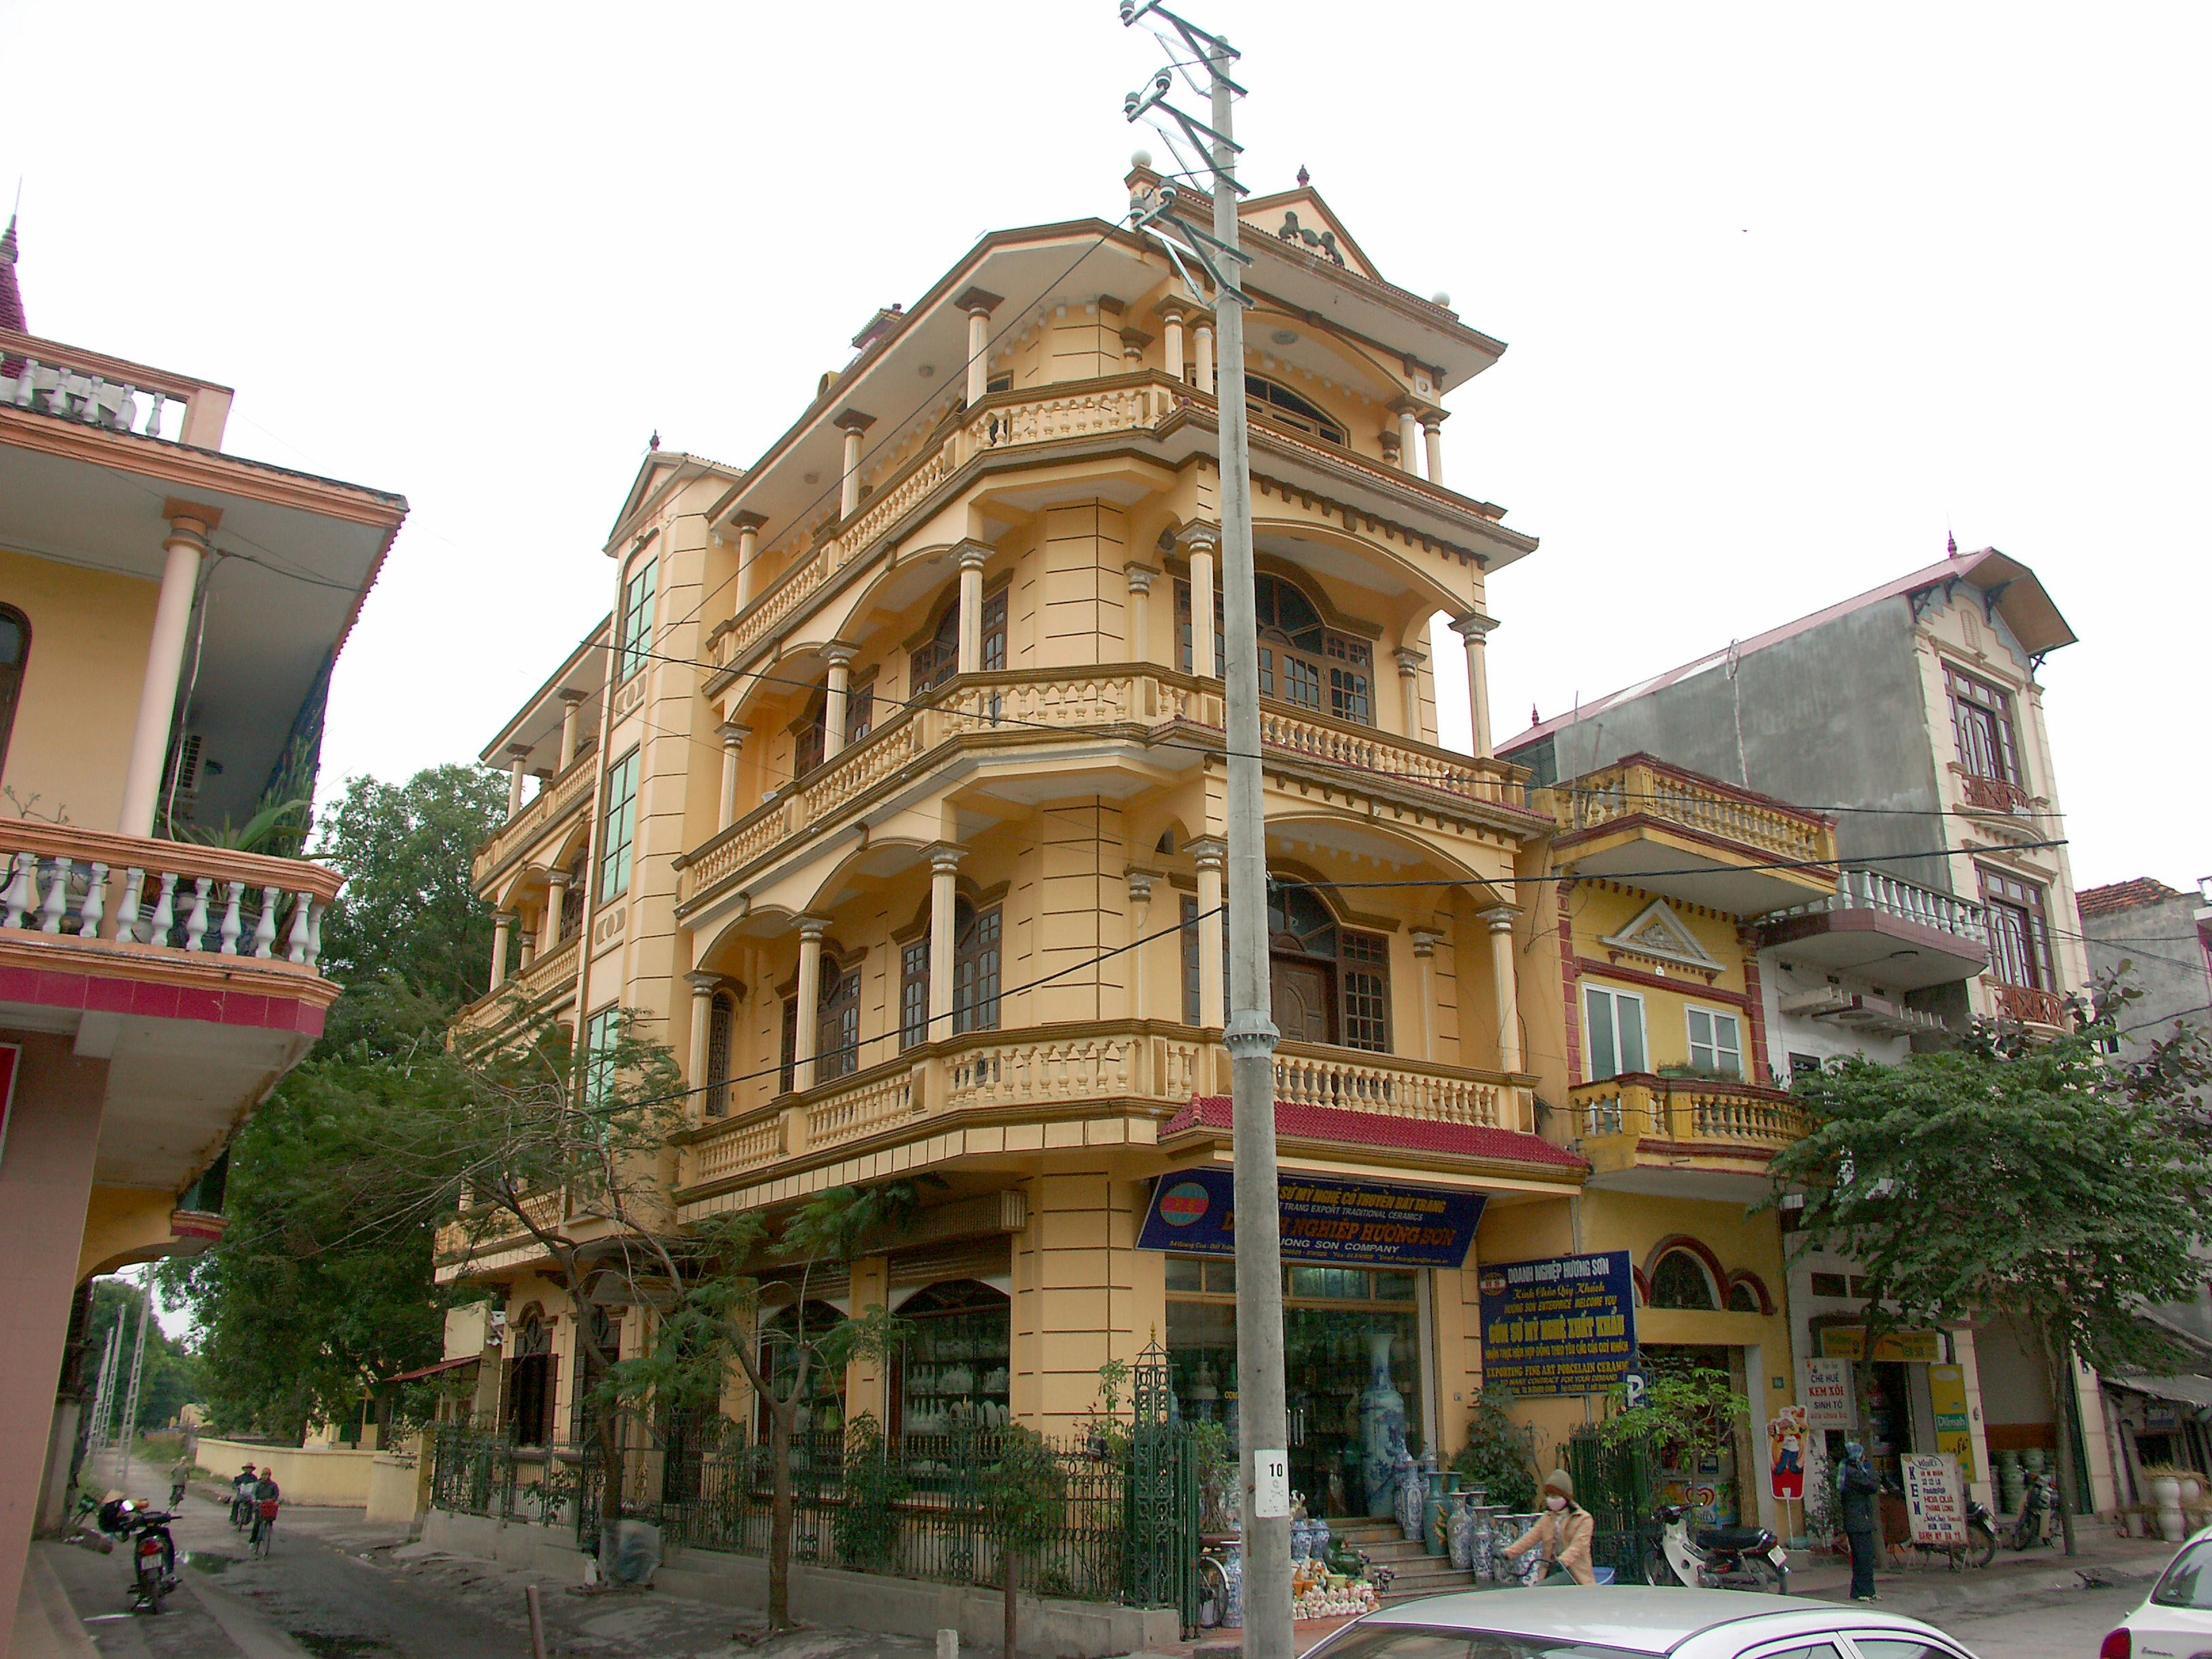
(1299,217)
(1658,936)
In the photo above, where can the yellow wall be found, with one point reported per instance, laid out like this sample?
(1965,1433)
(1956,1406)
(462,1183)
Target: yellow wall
(90,634)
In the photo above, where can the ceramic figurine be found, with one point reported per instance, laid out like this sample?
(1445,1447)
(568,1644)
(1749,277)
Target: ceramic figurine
(1381,1428)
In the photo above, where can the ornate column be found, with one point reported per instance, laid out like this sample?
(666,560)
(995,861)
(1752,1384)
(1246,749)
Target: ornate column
(979,305)
(1409,434)
(1200,541)
(1393,450)
(1432,442)
(183,549)
(733,738)
(1171,316)
(1140,904)
(1508,992)
(556,899)
(1425,940)
(572,703)
(853,423)
(1204,331)
(943,865)
(1133,342)
(748,529)
(833,704)
(695,1072)
(526,953)
(518,760)
(970,658)
(1138,632)
(503,923)
(808,998)
(1409,683)
(1474,627)
(1211,855)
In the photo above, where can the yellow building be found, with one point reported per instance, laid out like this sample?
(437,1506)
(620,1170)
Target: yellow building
(168,617)
(890,795)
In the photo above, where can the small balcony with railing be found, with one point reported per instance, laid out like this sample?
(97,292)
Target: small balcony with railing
(1667,830)
(96,392)
(1876,927)
(1684,1137)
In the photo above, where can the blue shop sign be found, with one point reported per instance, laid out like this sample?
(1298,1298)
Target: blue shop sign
(1363,1224)
(1564,1324)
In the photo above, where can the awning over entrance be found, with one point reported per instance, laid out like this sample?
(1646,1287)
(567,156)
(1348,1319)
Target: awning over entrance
(2189,1390)
(432,1370)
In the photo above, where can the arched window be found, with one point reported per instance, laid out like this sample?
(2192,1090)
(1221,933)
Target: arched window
(975,967)
(783,1337)
(1302,661)
(14,651)
(1329,983)
(1680,1281)
(721,1019)
(953,1371)
(1279,402)
(937,659)
(1741,1298)
(531,1376)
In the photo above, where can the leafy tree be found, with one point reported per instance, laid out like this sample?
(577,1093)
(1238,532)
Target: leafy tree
(1689,1412)
(2039,1179)
(1499,1452)
(1029,1504)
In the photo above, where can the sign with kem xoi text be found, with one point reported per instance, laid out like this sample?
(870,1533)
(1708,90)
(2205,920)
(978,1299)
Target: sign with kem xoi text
(1565,1324)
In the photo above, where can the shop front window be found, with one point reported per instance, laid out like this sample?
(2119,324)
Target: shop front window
(784,1336)
(1353,1366)
(952,1373)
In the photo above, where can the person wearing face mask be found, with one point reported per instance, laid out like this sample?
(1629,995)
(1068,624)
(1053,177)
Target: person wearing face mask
(1856,1486)
(1562,1532)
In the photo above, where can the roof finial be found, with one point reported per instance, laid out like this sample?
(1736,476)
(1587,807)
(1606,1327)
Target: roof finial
(1952,537)
(1304,178)
(653,442)
(11,297)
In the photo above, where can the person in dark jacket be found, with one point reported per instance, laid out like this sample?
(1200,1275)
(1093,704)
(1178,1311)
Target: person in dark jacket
(1857,1486)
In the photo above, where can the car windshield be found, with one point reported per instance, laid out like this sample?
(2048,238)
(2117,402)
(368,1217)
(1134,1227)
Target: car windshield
(1411,1642)
(2188,1581)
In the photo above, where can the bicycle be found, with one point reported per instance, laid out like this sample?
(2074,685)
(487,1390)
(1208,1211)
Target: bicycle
(264,1527)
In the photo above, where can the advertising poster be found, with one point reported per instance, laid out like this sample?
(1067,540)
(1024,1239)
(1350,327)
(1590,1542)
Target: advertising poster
(1564,1324)
(1828,1394)
(1368,1224)
(1913,1347)
(1932,1499)
(1785,1445)
(1954,1429)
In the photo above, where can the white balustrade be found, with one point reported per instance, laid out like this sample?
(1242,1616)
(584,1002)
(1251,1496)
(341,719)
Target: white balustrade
(1306,1075)
(1870,890)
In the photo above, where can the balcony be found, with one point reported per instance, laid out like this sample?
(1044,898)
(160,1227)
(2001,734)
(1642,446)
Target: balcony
(1892,931)
(2027,1005)
(487,1239)
(554,804)
(193,972)
(90,389)
(1155,710)
(1665,830)
(1863,1011)
(1682,1137)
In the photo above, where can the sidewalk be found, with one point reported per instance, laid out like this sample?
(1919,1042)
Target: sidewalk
(1922,1591)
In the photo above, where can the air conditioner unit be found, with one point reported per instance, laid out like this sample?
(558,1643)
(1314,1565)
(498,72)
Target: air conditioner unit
(181,777)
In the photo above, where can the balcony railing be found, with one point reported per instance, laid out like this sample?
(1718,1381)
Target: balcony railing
(1138,699)
(2028,1005)
(1866,890)
(1693,1114)
(1307,1074)
(1992,794)
(45,377)
(1639,787)
(551,805)
(78,888)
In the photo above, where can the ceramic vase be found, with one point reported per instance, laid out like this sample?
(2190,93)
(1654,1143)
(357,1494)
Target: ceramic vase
(1411,1498)
(1232,1609)
(1462,1533)
(1381,1428)
(2165,1498)
(1300,1541)
(1318,1535)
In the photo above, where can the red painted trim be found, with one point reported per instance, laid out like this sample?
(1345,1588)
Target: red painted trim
(1745,1276)
(1684,1242)
(1755,1006)
(130,996)
(1660,981)
(11,1061)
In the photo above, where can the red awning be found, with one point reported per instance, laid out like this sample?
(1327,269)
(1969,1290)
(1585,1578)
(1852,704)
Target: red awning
(432,1370)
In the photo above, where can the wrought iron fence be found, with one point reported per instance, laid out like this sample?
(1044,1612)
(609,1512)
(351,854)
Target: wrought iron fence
(1619,1485)
(489,1476)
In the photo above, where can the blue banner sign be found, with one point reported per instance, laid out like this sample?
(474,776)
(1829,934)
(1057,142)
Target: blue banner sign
(1566,1324)
(1367,1224)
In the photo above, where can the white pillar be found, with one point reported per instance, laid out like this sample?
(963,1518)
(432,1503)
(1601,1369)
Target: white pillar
(733,742)
(1432,442)
(183,549)
(1424,954)
(1171,320)
(944,863)
(979,305)
(969,660)
(502,922)
(1204,331)
(1202,539)
(1474,627)
(1409,683)
(572,703)
(749,528)
(1137,638)
(1140,904)
(1409,438)
(702,1015)
(518,759)
(1211,855)
(833,704)
(854,424)
(1507,993)
(557,899)
(808,998)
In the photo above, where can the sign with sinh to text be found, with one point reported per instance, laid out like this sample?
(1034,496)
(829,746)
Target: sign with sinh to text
(1564,1324)
(1828,1394)
(1932,1500)
(1352,1224)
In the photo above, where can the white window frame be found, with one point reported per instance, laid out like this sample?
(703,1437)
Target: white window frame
(1690,1014)
(1643,1032)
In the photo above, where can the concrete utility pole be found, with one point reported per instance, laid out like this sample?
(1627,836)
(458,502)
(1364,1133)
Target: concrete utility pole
(137,1371)
(103,1392)
(1263,1420)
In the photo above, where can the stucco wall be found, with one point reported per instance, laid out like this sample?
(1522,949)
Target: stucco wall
(2157,942)
(321,1476)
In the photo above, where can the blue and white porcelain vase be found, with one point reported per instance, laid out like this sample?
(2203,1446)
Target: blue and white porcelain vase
(1300,1541)
(1381,1428)
(1232,1572)
(1318,1533)
(1462,1533)
(1413,1497)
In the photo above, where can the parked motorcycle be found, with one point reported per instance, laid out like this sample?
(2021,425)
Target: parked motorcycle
(1981,1546)
(1716,1558)
(2037,1520)
(153,1551)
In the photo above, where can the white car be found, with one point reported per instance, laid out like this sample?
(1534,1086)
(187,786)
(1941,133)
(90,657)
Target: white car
(2175,1620)
(1625,1622)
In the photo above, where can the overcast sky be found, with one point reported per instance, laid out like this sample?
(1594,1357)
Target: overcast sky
(1790,293)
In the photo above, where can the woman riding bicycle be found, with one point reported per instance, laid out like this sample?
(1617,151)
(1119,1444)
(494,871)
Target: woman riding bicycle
(266,1496)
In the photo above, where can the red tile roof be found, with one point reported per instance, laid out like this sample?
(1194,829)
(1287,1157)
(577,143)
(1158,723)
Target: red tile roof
(2119,896)
(11,297)
(1410,1134)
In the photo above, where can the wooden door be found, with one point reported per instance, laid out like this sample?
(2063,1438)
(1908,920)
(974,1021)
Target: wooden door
(1302,999)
